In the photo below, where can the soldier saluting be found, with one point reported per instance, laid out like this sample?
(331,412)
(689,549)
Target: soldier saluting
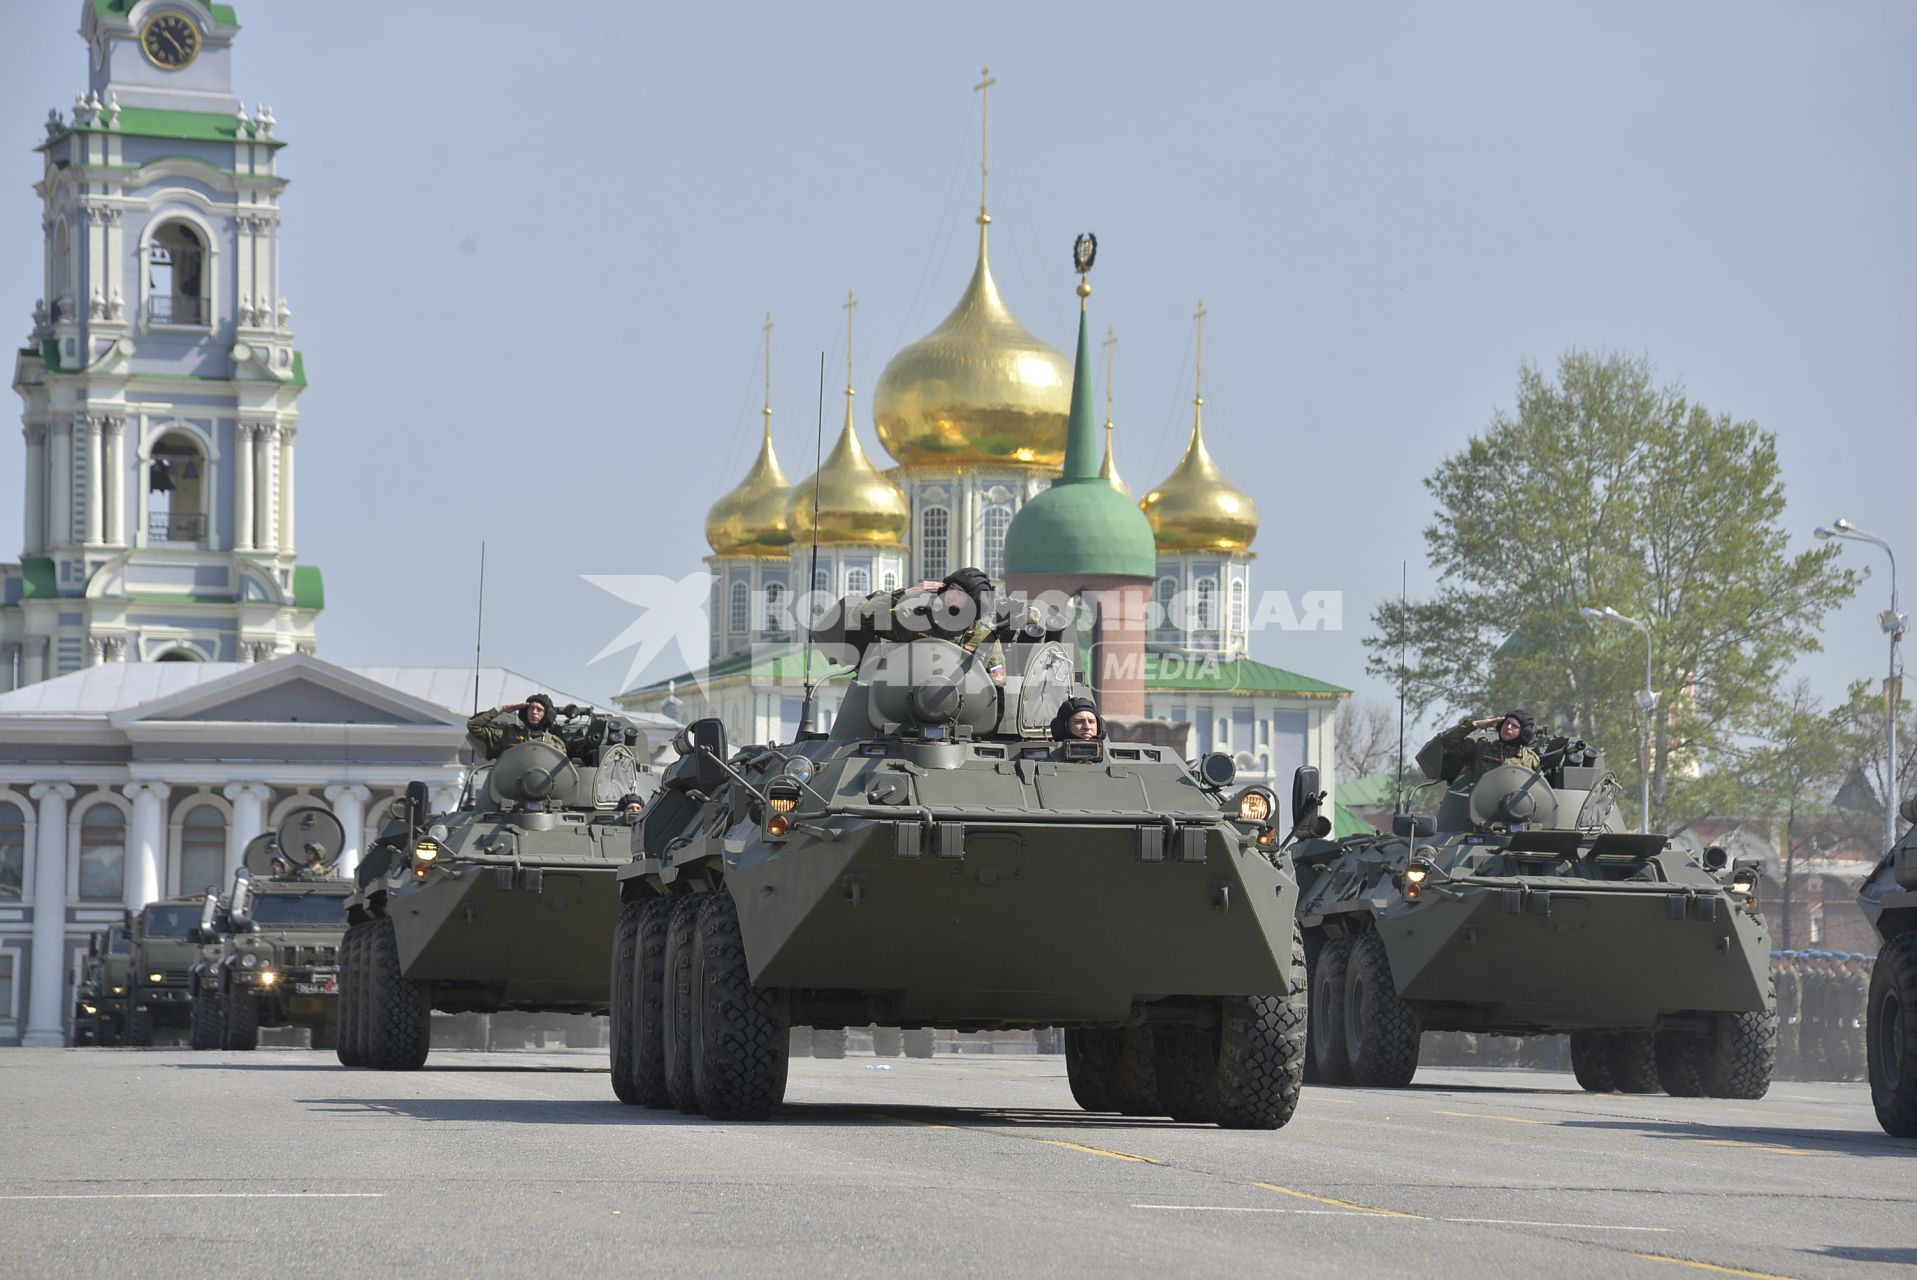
(1466,746)
(959,607)
(536,719)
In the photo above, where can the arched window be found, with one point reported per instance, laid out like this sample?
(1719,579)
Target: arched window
(890,582)
(935,542)
(822,580)
(102,854)
(1205,604)
(858,582)
(13,851)
(176,490)
(739,610)
(993,525)
(202,849)
(775,619)
(1167,596)
(1237,614)
(176,276)
(178,655)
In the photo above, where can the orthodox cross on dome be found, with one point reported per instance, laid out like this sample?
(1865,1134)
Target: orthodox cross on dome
(1111,349)
(1198,377)
(768,372)
(984,89)
(851,305)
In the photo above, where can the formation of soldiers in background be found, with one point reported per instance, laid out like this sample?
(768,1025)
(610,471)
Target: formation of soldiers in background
(1821,999)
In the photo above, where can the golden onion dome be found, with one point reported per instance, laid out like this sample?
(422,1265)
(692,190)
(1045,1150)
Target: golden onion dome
(1195,508)
(978,391)
(750,520)
(856,503)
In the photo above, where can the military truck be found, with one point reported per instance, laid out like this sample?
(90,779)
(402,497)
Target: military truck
(271,955)
(938,860)
(502,904)
(161,955)
(1521,908)
(1889,898)
(94,1013)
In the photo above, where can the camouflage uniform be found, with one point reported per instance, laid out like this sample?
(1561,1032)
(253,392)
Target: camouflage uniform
(883,609)
(1853,985)
(1790,1011)
(1813,1041)
(494,738)
(1462,748)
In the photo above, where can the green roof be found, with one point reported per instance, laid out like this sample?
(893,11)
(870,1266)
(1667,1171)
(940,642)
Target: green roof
(299,370)
(1081,525)
(1372,791)
(1346,823)
(757,664)
(222,13)
(1170,669)
(186,126)
(309,590)
(36,577)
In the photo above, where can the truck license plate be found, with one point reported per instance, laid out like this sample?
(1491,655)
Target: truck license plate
(323,984)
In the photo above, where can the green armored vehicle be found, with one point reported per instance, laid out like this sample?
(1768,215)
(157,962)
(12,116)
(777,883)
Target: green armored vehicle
(1889,899)
(271,946)
(939,860)
(161,955)
(503,904)
(1522,909)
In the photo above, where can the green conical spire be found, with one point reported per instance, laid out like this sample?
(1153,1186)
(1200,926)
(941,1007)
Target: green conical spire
(1083,449)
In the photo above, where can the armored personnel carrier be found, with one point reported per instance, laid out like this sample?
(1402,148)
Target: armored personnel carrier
(270,947)
(938,860)
(1520,908)
(160,957)
(1889,899)
(505,903)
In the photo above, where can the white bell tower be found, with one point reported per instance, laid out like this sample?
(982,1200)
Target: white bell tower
(160,381)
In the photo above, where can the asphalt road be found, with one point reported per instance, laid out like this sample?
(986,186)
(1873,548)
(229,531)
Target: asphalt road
(279,1162)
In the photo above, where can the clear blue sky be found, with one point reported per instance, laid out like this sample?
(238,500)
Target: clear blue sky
(528,249)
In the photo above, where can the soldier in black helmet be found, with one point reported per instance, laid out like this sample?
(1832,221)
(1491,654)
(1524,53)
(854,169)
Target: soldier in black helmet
(1466,747)
(961,607)
(535,723)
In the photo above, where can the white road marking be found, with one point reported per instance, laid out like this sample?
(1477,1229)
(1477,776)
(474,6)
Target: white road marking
(212,1195)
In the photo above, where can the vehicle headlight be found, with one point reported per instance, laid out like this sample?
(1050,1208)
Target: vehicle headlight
(249,961)
(156,977)
(799,769)
(89,1008)
(1744,880)
(1254,806)
(1416,872)
(268,978)
(438,833)
(777,825)
(426,850)
(119,991)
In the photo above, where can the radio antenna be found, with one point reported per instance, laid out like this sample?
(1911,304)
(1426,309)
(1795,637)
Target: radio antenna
(812,570)
(479,623)
(1404,588)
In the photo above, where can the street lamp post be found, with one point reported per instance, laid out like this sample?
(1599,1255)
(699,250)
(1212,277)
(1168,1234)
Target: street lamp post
(1646,701)
(1893,624)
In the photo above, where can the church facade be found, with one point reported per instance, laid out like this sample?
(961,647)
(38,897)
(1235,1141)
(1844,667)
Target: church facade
(160,382)
(974,419)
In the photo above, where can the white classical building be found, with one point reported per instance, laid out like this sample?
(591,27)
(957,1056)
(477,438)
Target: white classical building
(126,782)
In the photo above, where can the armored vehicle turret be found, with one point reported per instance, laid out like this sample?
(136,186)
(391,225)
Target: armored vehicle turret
(1889,898)
(504,903)
(1521,908)
(938,859)
(161,955)
(270,946)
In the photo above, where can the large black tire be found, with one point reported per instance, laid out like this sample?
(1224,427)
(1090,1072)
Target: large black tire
(400,1032)
(1381,1030)
(208,1027)
(1186,1067)
(1261,1053)
(242,1020)
(351,1049)
(648,1009)
(1135,1078)
(1091,1066)
(1326,1041)
(1741,1053)
(739,1058)
(1591,1062)
(107,1033)
(676,1004)
(1890,1036)
(1314,943)
(919,1043)
(1633,1061)
(887,1042)
(1680,1062)
(624,994)
(828,1042)
(139,1026)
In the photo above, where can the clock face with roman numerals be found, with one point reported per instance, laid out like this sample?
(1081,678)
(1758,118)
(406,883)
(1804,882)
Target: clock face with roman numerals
(170,41)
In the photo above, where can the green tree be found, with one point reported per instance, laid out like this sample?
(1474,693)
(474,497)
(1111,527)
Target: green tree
(1602,488)
(1861,722)
(1799,760)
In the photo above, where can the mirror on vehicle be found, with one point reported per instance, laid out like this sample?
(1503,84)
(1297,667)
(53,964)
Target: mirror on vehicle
(1909,810)
(1304,792)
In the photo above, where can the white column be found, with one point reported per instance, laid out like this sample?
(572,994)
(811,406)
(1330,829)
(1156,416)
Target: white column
(33,659)
(266,450)
(96,478)
(286,488)
(47,998)
(349,806)
(113,482)
(59,484)
(249,819)
(243,487)
(36,503)
(9,655)
(146,842)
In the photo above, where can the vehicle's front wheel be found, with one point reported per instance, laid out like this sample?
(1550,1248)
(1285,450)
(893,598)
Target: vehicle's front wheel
(740,1053)
(649,1028)
(139,1026)
(1741,1053)
(242,1010)
(351,1047)
(1326,1041)
(625,951)
(208,1027)
(1091,1066)
(1591,1061)
(398,1014)
(1261,1053)
(676,1006)
(1890,1036)
(1381,1030)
